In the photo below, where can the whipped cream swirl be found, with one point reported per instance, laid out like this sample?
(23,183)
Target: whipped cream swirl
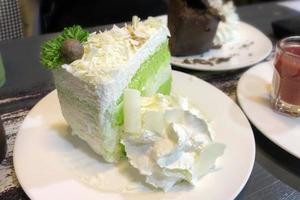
(173,143)
(228,29)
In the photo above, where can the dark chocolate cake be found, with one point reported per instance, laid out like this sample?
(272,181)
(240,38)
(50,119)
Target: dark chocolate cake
(193,26)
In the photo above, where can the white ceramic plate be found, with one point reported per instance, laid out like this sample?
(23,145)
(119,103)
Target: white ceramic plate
(253,94)
(52,164)
(258,47)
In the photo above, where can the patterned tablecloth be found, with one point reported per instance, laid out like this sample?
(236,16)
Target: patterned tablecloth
(15,109)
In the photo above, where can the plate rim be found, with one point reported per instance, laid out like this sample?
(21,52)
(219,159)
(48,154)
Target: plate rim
(241,103)
(234,194)
(195,68)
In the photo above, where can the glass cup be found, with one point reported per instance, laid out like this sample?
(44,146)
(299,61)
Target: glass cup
(286,77)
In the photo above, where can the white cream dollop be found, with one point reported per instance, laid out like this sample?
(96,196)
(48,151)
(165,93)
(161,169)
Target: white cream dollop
(227,30)
(173,144)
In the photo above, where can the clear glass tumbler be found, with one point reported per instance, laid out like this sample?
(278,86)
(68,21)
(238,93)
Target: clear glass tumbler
(286,77)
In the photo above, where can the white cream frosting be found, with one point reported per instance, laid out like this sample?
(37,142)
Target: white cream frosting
(109,52)
(173,144)
(227,30)
(110,60)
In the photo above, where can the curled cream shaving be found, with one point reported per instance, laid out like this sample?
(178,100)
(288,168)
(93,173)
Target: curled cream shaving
(109,50)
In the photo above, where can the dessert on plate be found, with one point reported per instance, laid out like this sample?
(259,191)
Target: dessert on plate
(114,87)
(90,89)
(198,25)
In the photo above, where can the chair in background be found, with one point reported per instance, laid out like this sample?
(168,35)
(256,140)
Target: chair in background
(57,14)
(10,20)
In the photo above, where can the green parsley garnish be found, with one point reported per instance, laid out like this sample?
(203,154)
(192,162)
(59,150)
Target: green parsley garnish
(51,56)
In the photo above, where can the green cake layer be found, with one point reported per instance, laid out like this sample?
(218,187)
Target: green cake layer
(146,78)
(150,68)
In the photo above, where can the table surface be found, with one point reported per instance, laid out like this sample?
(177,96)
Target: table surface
(276,174)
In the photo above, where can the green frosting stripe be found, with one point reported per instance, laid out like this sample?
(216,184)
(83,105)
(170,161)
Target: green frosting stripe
(69,96)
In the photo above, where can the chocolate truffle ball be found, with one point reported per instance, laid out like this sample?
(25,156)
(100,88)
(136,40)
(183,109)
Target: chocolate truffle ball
(71,50)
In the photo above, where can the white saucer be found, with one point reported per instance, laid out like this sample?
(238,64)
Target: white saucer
(253,93)
(52,164)
(257,47)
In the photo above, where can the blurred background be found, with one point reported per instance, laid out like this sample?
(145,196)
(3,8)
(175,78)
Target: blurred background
(23,18)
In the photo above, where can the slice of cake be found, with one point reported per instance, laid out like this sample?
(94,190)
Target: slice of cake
(193,26)
(198,25)
(103,64)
